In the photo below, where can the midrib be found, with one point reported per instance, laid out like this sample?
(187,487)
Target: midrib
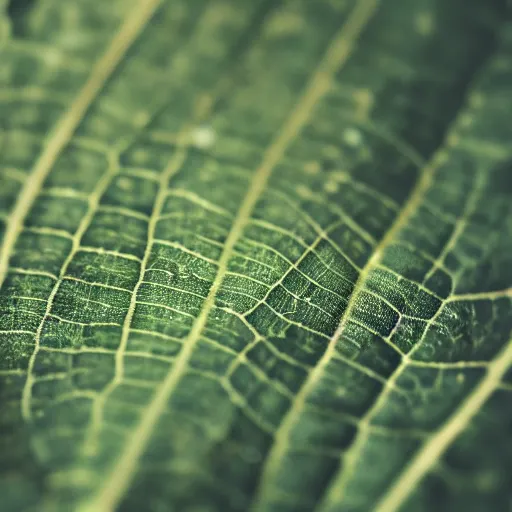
(433,449)
(68,123)
(117,482)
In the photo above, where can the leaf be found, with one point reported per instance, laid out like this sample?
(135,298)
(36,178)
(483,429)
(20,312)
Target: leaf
(255,255)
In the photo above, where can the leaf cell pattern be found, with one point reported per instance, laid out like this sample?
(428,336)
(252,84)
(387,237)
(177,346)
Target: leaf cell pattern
(255,255)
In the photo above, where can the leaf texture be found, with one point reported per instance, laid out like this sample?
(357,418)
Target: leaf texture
(255,255)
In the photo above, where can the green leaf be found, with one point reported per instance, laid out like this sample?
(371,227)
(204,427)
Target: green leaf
(255,255)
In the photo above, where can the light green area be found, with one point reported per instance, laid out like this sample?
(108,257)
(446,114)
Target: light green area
(269,269)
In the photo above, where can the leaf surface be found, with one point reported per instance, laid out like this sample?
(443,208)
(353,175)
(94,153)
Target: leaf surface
(255,255)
